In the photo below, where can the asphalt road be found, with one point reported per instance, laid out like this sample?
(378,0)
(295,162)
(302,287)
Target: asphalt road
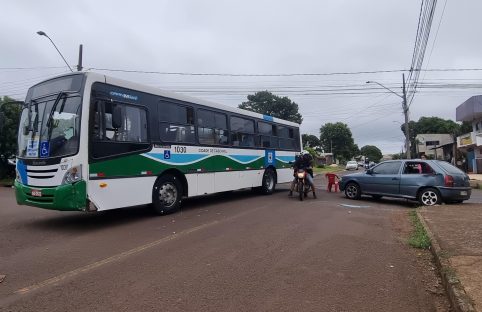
(229,252)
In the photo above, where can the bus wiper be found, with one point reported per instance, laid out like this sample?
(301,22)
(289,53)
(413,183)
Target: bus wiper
(54,107)
(31,126)
(51,114)
(29,107)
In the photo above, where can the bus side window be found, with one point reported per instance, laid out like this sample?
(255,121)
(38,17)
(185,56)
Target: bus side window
(177,123)
(242,131)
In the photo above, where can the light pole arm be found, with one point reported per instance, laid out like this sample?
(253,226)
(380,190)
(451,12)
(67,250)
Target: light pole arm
(41,33)
(386,88)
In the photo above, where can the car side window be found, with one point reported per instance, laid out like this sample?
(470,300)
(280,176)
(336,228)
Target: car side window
(412,167)
(387,168)
(417,167)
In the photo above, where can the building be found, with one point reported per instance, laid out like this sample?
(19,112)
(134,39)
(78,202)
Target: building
(324,159)
(470,143)
(431,145)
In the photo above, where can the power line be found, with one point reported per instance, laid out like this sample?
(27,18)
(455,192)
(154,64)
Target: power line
(245,75)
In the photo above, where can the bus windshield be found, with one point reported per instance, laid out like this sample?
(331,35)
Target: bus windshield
(50,127)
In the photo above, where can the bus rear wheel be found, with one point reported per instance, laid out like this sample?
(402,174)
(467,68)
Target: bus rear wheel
(166,195)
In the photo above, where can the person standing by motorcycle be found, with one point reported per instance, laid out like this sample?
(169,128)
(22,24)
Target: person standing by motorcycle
(305,162)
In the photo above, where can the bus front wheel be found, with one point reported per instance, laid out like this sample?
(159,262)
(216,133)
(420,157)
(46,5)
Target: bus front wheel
(167,194)
(269,182)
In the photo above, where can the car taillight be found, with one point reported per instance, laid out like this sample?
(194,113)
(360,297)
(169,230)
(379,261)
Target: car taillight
(449,181)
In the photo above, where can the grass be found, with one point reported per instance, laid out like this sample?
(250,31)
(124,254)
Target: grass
(418,238)
(327,169)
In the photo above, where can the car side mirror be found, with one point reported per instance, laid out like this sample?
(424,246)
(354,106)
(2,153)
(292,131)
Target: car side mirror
(116,117)
(369,171)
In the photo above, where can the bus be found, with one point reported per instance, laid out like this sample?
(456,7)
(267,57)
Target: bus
(89,142)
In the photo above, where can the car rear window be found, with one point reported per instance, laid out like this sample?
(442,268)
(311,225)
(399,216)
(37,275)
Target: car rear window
(449,168)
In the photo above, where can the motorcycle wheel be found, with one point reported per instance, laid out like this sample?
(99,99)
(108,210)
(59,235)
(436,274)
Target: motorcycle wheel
(301,190)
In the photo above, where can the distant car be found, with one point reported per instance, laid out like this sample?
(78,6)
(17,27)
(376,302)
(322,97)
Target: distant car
(351,165)
(428,181)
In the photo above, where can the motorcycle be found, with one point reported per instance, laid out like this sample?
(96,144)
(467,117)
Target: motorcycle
(301,184)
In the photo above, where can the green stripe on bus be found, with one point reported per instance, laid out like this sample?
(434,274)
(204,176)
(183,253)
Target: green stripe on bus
(134,165)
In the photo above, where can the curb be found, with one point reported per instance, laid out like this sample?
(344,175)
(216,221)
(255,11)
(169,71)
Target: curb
(459,300)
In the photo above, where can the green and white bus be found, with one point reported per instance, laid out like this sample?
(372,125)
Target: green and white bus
(90,142)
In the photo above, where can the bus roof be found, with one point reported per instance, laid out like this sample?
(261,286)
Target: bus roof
(93,76)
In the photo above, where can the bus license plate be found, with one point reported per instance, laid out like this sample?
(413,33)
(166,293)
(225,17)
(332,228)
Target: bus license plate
(463,193)
(37,193)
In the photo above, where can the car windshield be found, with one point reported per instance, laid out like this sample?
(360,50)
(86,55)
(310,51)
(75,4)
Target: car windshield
(50,127)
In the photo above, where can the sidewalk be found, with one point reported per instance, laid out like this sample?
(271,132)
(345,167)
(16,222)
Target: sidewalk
(456,233)
(475,180)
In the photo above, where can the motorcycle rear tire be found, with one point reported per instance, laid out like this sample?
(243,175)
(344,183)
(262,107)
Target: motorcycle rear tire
(301,190)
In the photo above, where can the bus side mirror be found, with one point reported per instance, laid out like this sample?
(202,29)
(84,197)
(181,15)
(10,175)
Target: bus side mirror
(116,117)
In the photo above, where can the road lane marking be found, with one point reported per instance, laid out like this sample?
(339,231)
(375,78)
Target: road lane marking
(354,206)
(125,254)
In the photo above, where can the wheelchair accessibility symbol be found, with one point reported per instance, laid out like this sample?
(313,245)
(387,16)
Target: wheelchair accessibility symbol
(167,154)
(44,149)
(270,158)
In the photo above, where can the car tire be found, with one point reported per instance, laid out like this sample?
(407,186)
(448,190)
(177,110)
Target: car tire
(429,197)
(166,195)
(352,191)
(269,182)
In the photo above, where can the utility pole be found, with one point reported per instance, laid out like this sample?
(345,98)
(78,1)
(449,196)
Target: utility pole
(405,113)
(79,65)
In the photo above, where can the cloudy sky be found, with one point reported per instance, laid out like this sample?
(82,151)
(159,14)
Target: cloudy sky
(259,45)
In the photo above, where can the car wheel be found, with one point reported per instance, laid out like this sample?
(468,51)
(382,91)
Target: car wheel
(352,191)
(429,197)
(166,195)
(269,182)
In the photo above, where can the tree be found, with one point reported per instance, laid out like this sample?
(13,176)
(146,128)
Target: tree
(265,102)
(433,125)
(9,118)
(372,152)
(310,140)
(337,138)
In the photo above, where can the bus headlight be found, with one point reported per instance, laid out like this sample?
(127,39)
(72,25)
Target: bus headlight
(72,175)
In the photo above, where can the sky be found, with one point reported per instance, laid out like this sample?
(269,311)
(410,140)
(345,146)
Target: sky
(296,49)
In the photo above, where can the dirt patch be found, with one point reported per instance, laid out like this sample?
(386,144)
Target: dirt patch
(423,262)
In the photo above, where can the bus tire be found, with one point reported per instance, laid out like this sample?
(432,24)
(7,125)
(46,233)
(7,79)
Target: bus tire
(269,182)
(166,194)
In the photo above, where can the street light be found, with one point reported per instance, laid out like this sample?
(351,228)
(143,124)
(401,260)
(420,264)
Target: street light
(41,33)
(405,112)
